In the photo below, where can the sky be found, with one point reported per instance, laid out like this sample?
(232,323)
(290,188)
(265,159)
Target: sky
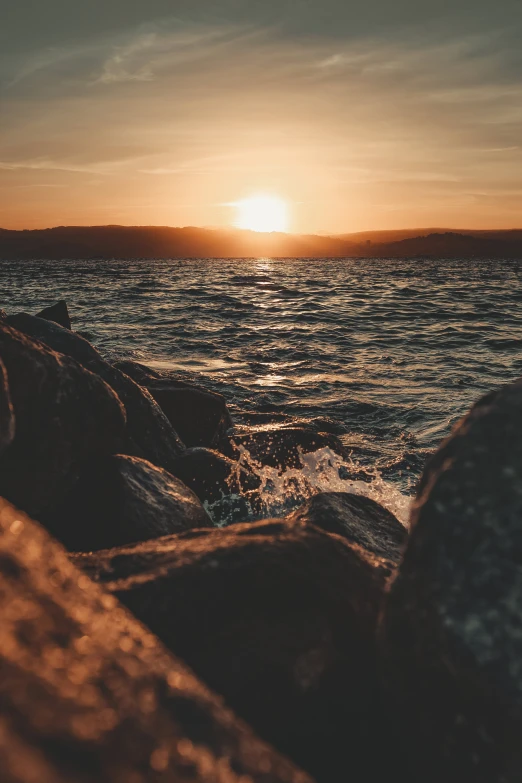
(360,114)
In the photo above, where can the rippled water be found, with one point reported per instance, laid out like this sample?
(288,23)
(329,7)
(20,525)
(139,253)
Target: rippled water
(387,354)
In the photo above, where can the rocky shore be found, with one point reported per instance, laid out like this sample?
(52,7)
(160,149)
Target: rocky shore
(156,626)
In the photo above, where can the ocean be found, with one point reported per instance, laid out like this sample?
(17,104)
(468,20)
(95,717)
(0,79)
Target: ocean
(386,354)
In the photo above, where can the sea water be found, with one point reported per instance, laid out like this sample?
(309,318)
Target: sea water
(387,354)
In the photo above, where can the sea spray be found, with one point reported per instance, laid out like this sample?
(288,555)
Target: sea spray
(281,492)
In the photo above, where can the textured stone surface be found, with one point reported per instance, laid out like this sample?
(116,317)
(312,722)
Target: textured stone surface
(278,617)
(452,629)
(7,417)
(150,433)
(88,695)
(211,475)
(280,447)
(121,500)
(359,519)
(137,371)
(63,413)
(58,313)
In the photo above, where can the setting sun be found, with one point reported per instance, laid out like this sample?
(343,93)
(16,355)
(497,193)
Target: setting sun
(262,213)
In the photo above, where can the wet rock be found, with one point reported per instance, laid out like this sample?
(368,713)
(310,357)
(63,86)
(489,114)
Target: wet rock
(58,313)
(200,417)
(64,415)
(7,418)
(150,433)
(278,617)
(211,475)
(88,695)
(138,372)
(359,519)
(122,500)
(452,640)
(280,448)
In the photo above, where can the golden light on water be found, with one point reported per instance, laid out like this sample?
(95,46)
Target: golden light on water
(262,213)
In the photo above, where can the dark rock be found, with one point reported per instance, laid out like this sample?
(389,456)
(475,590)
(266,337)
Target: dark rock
(122,500)
(150,433)
(138,372)
(280,448)
(211,475)
(279,617)
(200,417)
(359,519)
(7,418)
(452,638)
(64,415)
(228,489)
(88,695)
(58,313)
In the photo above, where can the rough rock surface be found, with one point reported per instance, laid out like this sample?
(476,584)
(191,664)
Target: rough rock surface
(211,475)
(137,371)
(7,418)
(58,313)
(452,629)
(359,519)
(279,618)
(122,500)
(88,695)
(150,433)
(63,413)
(280,448)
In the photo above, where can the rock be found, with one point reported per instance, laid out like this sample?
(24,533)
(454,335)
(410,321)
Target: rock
(359,519)
(280,448)
(88,695)
(58,313)
(150,433)
(138,372)
(64,415)
(122,500)
(200,417)
(7,418)
(452,640)
(279,617)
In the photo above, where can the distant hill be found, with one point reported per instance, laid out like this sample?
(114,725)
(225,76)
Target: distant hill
(106,242)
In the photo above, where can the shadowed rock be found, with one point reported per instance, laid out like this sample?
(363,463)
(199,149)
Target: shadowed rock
(138,372)
(88,695)
(122,500)
(64,415)
(150,433)
(280,448)
(359,519)
(7,418)
(58,313)
(279,617)
(452,628)
(200,417)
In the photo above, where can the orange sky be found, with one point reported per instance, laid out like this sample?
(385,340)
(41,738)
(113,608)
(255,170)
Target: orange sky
(165,118)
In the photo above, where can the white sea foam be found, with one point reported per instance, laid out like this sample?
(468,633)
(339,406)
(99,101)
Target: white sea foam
(283,491)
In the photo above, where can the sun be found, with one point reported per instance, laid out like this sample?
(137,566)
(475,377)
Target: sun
(262,213)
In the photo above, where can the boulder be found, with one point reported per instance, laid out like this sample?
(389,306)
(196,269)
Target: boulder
(64,415)
(280,448)
(359,519)
(121,500)
(199,416)
(452,627)
(279,617)
(7,418)
(58,313)
(150,434)
(137,371)
(88,695)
